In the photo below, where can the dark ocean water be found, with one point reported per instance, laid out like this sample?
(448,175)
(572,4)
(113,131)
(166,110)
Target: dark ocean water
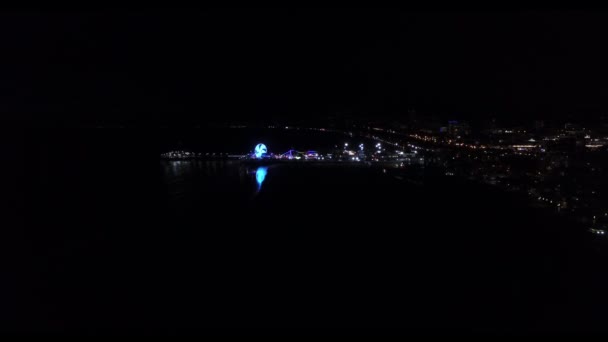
(355,247)
(93,245)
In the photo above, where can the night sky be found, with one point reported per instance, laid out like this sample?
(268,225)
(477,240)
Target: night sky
(195,65)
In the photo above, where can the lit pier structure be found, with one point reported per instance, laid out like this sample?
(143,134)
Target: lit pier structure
(293,154)
(261,155)
(260,152)
(289,156)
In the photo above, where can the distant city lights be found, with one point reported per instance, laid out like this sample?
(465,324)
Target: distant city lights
(495,157)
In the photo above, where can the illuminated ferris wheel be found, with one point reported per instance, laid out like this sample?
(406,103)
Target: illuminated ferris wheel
(260,150)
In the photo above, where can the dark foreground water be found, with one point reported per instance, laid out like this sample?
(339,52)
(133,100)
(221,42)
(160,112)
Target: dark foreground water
(93,245)
(336,246)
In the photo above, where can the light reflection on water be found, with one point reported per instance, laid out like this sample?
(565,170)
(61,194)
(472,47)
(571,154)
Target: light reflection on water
(194,177)
(260,175)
